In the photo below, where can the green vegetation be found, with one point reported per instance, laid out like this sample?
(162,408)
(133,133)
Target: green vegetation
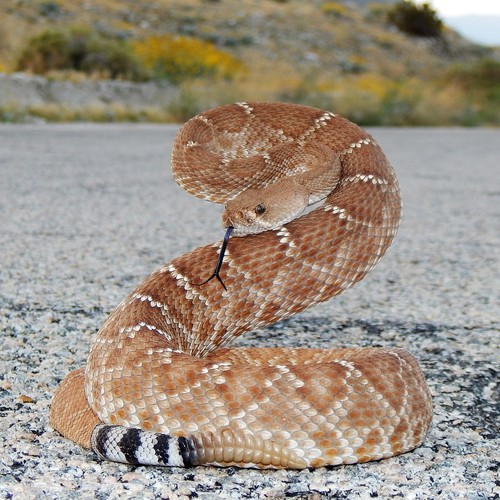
(480,84)
(335,9)
(79,49)
(416,20)
(98,113)
(163,57)
(481,76)
(322,53)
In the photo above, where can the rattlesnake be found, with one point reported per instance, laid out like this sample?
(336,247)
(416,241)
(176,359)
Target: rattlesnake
(160,388)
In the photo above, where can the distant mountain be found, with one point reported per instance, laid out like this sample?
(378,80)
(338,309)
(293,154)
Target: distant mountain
(480,29)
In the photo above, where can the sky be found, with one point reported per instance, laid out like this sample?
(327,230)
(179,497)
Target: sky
(462,7)
(485,30)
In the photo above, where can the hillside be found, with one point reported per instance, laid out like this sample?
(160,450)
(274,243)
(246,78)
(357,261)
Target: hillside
(322,53)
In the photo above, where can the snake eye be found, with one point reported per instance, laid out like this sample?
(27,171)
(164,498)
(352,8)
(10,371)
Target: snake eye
(260,209)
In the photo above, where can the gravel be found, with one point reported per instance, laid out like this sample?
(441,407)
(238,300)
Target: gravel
(86,211)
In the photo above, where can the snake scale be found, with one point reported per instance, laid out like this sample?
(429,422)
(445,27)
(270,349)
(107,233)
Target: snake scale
(159,387)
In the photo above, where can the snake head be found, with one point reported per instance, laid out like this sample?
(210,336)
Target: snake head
(262,209)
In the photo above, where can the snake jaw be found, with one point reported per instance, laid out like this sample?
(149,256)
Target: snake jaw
(241,220)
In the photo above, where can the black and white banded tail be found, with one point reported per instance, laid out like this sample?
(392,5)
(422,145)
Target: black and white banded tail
(139,447)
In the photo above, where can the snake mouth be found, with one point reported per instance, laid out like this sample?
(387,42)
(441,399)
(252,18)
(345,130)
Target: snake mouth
(242,231)
(233,228)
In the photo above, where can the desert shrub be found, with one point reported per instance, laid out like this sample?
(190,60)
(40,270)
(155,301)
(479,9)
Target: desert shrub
(373,100)
(185,106)
(229,40)
(181,58)
(416,20)
(79,49)
(104,55)
(376,11)
(480,84)
(334,9)
(386,40)
(353,64)
(50,9)
(45,52)
(480,75)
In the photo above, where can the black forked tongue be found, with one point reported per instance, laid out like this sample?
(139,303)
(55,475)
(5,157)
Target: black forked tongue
(220,260)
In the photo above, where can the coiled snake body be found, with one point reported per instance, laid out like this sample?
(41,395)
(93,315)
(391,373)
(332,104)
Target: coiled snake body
(160,388)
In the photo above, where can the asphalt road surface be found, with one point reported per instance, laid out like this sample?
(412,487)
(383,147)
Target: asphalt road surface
(86,211)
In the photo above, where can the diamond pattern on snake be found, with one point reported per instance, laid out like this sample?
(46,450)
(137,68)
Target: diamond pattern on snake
(160,385)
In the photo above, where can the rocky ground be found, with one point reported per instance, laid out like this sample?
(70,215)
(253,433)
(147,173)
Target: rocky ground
(25,91)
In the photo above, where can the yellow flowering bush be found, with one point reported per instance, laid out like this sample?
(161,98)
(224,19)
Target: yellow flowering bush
(180,58)
(334,9)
